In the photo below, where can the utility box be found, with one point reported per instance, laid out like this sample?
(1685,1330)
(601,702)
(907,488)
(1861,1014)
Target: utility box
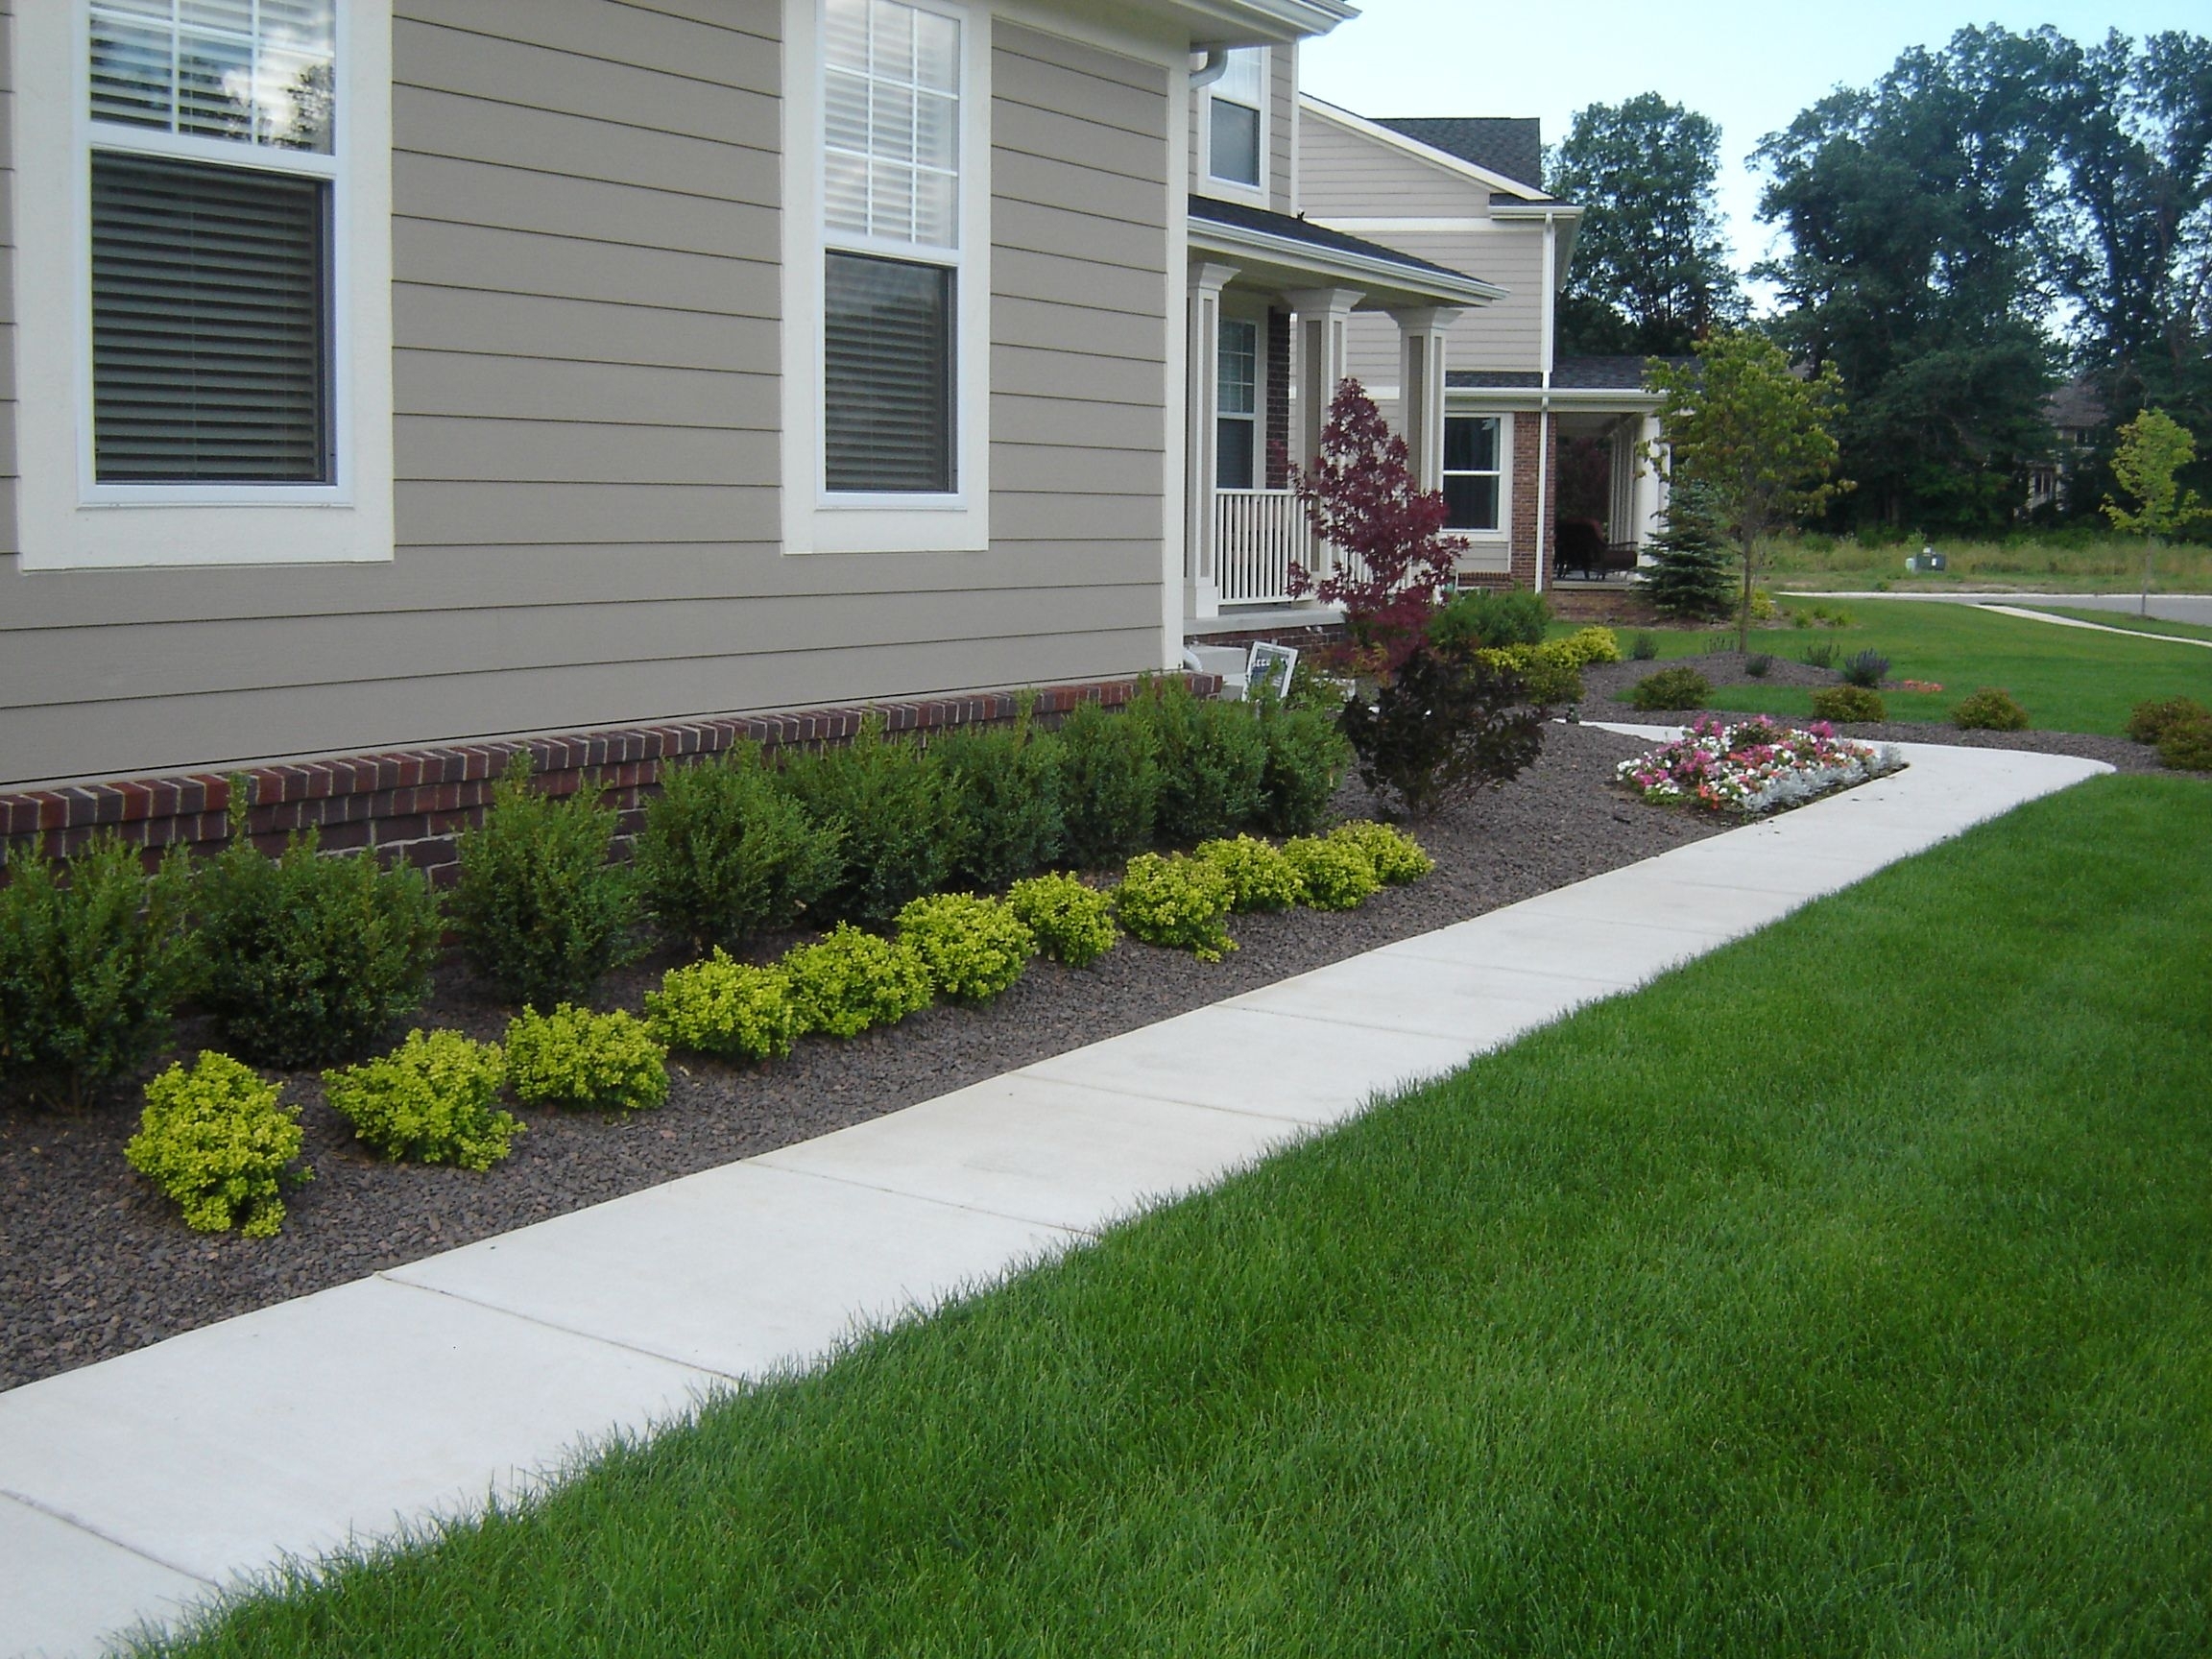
(1925,560)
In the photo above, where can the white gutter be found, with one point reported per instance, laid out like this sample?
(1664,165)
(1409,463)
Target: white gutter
(1253,22)
(1215,236)
(1214,66)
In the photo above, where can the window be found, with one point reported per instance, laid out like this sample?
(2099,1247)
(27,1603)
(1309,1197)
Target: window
(891,183)
(1234,118)
(1236,406)
(213,168)
(1474,478)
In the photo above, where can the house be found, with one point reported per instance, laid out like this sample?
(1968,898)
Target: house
(395,381)
(2078,416)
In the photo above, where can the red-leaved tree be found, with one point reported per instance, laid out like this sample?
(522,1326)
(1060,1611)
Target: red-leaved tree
(1394,559)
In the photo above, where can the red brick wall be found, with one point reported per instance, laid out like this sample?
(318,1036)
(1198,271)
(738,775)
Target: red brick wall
(1529,541)
(1277,400)
(411,804)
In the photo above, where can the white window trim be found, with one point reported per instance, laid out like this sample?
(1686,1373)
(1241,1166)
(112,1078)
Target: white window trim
(67,519)
(815,518)
(1254,193)
(1504,534)
(1257,419)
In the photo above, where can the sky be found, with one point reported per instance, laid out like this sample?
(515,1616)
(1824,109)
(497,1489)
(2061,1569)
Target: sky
(1751,67)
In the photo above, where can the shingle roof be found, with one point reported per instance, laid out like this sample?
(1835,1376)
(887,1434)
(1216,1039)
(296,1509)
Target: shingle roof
(1568,374)
(1492,379)
(1237,213)
(1512,145)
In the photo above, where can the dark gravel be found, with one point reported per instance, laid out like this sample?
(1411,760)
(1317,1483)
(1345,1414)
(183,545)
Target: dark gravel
(94,1264)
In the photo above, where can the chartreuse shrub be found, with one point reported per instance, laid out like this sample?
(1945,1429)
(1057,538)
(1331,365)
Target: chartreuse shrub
(973,947)
(215,1142)
(541,911)
(851,980)
(1109,786)
(1395,856)
(899,811)
(1675,687)
(90,967)
(597,1062)
(309,959)
(1073,924)
(1989,710)
(434,1099)
(1212,761)
(1591,645)
(1307,758)
(1848,702)
(1006,782)
(726,852)
(1549,674)
(1259,876)
(1332,873)
(723,1007)
(1176,901)
(2147,722)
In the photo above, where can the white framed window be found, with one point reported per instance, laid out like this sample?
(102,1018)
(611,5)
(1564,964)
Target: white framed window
(1236,406)
(1475,483)
(886,275)
(204,273)
(1235,125)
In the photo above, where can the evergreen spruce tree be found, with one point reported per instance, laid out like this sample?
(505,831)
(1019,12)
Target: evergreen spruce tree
(1693,574)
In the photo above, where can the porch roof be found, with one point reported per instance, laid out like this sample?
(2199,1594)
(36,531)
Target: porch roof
(1297,252)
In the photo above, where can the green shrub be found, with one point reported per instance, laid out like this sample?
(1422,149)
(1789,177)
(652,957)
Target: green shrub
(1333,874)
(434,1099)
(1396,856)
(1442,726)
(1671,689)
(724,853)
(1307,758)
(1821,654)
(2147,722)
(1211,760)
(1848,702)
(1007,784)
(2186,745)
(1644,647)
(1259,876)
(539,911)
(90,967)
(309,959)
(575,1057)
(719,1006)
(215,1142)
(899,811)
(1549,675)
(1591,645)
(1989,710)
(852,980)
(1178,903)
(1482,619)
(1073,924)
(1759,664)
(973,947)
(1109,785)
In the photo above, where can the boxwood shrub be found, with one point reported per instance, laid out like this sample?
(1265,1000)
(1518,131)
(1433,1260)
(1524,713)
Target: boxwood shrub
(1306,760)
(851,980)
(1109,786)
(1989,710)
(1675,687)
(726,852)
(1333,874)
(723,1007)
(973,947)
(434,1099)
(216,1143)
(1073,922)
(1259,876)
(1006,782)
(1211,761)
(1848,702)
(1176,901)
(593,1061)
(900,815)
(2147,722)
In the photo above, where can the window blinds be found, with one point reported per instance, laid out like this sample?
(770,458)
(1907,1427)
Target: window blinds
(888,408)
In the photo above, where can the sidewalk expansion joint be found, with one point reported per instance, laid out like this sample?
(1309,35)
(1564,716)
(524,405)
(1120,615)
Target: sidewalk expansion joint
(80,1525)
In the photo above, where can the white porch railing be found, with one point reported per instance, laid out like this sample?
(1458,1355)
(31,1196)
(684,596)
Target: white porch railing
(1257,536)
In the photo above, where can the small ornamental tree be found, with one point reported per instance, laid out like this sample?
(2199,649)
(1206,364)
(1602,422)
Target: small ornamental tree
(1360,497)
(2153,448)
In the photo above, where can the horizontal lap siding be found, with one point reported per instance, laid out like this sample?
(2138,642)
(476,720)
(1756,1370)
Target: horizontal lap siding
(7,465)
(586,320)
(1342,171)
(1283,129)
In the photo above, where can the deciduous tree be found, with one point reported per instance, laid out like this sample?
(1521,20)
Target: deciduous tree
(2153,448)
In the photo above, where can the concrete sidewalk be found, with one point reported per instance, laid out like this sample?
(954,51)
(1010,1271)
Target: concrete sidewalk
(132,1488)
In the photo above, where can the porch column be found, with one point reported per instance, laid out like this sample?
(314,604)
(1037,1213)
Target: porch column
(1421,336)
(1651,485)
(1322,325)
(1202,593)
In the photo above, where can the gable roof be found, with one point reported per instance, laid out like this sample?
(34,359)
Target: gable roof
(1511,146)
(1282,225)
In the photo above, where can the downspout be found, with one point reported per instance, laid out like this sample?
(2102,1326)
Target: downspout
(1214,66)
(1544,400)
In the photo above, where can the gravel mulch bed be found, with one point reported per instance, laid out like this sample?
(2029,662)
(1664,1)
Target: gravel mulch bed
(94,1264)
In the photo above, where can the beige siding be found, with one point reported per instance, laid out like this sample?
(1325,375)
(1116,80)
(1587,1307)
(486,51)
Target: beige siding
(1283,129)
(1342,172)
(7,466)
(588,425)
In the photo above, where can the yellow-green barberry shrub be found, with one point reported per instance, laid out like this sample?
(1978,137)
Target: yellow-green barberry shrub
(434,1099)
(1073,924)
(1549,674)
(214,1139)
(973,947)
(1333,874)
(724,1007)
(1259,876)
(1178,903)
(1848,702)
(1592,645)
(1396,857)
(851,980)
(597,1062)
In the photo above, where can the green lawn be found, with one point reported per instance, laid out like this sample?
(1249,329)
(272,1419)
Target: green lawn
(1847,1293)
(2064,563)
(2128,620)
(2068,678)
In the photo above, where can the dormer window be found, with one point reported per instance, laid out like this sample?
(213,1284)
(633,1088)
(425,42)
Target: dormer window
(1235,118)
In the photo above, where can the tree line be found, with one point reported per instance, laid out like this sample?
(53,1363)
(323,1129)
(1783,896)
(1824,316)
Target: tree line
(1990,221)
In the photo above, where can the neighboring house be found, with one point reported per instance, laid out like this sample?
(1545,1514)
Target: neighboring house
(2078,415)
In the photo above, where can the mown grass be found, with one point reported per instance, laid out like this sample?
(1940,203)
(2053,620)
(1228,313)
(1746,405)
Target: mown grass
(2130,621)
(2068,678)
(2067,563)
(1847,1293)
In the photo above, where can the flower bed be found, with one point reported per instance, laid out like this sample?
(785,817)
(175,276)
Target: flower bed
(1756,767)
